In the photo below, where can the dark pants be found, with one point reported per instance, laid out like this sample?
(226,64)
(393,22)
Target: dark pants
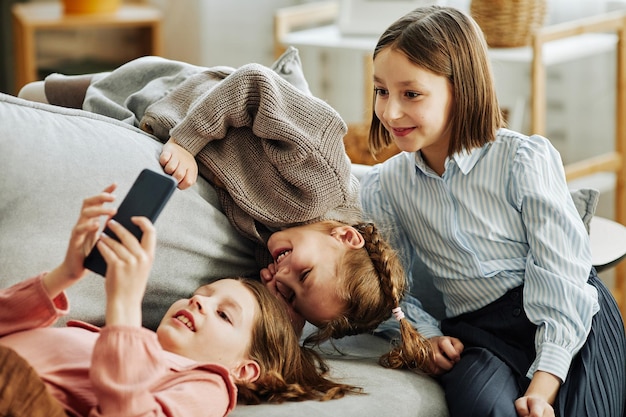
(22,392)
(499,349)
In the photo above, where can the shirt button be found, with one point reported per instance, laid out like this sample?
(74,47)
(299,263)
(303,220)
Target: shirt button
(517,312)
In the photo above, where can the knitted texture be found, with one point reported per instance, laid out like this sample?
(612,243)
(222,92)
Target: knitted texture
(275,153)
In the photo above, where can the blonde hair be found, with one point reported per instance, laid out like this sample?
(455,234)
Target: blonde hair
(449,43)
(372,283)
(289,371)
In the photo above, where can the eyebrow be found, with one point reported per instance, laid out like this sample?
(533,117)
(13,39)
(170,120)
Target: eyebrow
(407,83)
(205,290)
(228,301)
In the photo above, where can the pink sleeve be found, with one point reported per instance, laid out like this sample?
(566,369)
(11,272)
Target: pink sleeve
(26,305)
(131,377)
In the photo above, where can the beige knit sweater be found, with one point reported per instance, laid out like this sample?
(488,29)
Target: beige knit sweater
(275,154)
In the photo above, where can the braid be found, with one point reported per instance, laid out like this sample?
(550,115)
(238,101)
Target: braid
(374,283)
(414,351)
(385,262)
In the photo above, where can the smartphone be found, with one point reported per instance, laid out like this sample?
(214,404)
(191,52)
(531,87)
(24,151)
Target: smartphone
(147,197)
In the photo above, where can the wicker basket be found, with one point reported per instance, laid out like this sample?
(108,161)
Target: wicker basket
(508,23)
(90,6)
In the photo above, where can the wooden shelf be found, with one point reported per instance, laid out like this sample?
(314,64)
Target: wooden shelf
(29,18)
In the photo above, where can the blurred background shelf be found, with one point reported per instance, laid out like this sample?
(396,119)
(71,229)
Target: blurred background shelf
(47,40)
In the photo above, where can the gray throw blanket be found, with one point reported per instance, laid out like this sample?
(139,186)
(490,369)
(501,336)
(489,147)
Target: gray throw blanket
(273,151)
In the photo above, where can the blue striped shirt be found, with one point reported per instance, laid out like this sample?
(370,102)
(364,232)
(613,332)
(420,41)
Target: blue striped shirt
(500,216)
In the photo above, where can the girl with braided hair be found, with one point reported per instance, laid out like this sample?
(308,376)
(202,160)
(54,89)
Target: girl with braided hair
(345,280)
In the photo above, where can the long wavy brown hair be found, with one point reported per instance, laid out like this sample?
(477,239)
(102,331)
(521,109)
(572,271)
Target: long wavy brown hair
(289,371)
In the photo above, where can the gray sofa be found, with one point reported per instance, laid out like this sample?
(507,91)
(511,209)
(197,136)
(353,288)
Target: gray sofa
(53,157)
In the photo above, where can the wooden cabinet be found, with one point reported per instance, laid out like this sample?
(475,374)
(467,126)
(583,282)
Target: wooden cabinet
(32,22)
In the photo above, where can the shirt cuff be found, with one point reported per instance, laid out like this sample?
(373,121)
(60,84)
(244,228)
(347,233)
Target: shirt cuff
(553,359)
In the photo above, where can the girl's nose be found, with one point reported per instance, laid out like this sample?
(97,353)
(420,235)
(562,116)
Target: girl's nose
(393,110)
(197,302)
(284,274)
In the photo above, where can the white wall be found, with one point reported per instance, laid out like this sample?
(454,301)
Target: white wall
(237,32)
(219,32)
(181,29)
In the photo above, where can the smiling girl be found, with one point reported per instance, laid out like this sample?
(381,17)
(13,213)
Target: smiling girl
(530,329)
(230,340)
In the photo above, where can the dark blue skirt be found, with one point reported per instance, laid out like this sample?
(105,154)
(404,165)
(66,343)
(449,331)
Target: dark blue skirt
(499,349)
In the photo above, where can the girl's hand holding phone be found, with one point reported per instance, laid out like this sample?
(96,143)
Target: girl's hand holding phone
(83,237)
(129,263)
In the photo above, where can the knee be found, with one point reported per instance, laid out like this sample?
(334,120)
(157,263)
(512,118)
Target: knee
(481,385)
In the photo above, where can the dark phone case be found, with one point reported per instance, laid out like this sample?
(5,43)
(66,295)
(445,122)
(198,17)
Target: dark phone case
(147,197)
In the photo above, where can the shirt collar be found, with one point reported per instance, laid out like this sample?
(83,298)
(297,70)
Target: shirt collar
(465,160)
(420,163)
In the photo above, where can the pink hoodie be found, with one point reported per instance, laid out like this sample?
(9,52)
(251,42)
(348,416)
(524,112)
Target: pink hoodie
(113,371)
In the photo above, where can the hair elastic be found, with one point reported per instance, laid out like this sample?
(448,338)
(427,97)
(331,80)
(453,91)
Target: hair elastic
(398,313)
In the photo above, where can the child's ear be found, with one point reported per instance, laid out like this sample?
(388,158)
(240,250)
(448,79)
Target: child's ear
(247,371)
(348,235)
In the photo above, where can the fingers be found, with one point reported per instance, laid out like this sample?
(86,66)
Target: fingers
(85,230)
(169,162)
(94,206)
(129,262)
(148,239)
(106,196)
(267,274)
(83,235)
(452,348)
(129,254)
(533,407)
(441,363)
(521,407)
(185,178)
(164,158)
(128,245)
(179,163)
(446,352)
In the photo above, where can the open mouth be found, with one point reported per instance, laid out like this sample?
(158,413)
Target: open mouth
(282,254)
(186,320)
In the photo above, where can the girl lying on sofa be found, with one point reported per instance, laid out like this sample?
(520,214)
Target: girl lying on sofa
(232,339)
(276,157)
